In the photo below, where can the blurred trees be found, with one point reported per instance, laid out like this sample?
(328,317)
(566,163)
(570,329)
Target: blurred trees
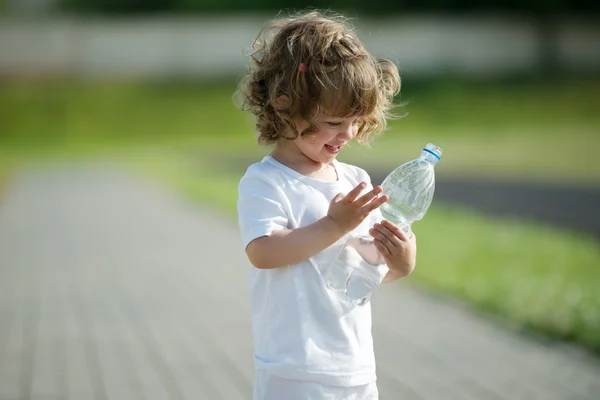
(362,7)
(542,13)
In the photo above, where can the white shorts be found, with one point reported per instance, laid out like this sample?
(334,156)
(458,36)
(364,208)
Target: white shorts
(271,387)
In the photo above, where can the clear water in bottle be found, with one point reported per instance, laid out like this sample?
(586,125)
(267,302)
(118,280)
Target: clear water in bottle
(355,272)
(359,268)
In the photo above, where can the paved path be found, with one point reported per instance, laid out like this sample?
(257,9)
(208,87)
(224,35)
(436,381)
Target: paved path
(113,289)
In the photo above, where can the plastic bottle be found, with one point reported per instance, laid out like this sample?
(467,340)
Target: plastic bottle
(359,268)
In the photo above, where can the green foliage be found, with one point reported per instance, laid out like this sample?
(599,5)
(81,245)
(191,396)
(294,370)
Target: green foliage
(117,6)
(362,7)
(528,131)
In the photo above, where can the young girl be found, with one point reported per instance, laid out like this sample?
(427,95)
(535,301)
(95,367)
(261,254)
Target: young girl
(313,88)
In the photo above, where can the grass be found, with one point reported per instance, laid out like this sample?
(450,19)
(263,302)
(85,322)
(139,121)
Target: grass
(514,130)
(4,181)
(505,131)
(539,278)
(190,137)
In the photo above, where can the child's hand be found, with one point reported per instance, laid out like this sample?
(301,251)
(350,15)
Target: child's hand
(398,250)
(349,211)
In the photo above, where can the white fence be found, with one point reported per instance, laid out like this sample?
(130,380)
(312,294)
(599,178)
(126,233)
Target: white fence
(210,46)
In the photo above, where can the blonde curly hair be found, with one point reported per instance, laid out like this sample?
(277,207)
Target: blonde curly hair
(317,64)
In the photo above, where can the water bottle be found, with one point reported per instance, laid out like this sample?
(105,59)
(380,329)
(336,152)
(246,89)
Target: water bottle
(359,268)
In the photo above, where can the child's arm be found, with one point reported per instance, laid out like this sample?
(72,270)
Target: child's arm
(392,276)
(285,247)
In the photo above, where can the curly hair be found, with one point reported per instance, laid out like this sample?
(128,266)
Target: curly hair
(318,64)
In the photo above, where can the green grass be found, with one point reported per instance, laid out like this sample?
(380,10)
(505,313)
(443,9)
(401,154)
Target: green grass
(505,131)
(191,138)
(4,181)
(517,131)
(538,277)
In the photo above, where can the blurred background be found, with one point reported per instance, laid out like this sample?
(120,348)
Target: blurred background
(508,89)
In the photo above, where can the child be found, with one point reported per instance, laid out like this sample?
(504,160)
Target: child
(313,88)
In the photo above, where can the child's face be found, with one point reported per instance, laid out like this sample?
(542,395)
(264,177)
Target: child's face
(332,134)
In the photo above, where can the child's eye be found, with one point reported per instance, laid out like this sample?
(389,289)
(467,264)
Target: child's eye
(334,123)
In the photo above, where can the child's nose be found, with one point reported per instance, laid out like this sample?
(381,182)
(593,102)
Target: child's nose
(347,132)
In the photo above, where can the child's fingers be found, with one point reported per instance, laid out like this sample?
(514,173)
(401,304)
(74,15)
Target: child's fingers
(367,197)
(376,202)
(337,197)
(353,194)
(395,230)
(386,236)
(382,248)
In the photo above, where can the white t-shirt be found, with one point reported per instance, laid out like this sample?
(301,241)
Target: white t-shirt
(301,329)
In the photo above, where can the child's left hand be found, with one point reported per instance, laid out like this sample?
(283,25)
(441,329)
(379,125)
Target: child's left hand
(398,250)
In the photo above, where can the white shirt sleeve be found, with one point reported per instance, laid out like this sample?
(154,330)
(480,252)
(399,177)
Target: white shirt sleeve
(260,208)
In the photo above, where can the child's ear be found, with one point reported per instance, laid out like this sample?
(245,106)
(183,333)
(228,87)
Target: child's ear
(281,102)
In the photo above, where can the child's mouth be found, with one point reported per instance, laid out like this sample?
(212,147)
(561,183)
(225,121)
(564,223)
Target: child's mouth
(333,149)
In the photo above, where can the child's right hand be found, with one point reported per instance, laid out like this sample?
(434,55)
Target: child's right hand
(350,210)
